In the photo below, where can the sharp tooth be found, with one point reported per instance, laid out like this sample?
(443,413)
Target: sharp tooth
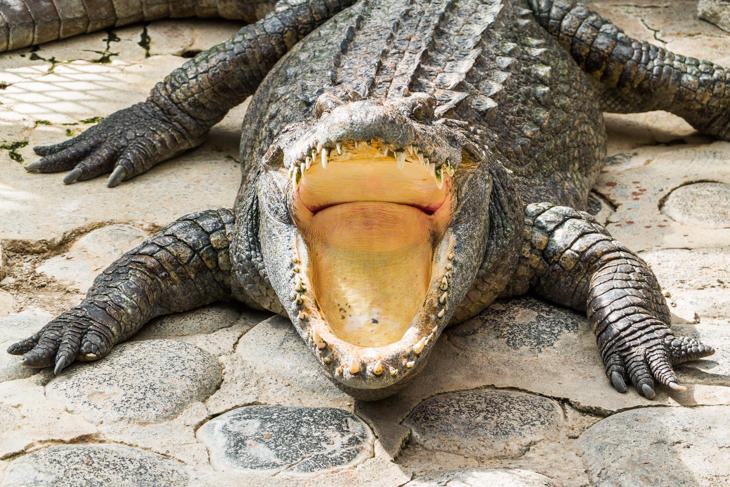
(324,158)
(339,148)
(314,155)
(385,150)
(420,157)
(296,175)
(308,163)
(400,157)
(319,147)
(438,174)
(302,168)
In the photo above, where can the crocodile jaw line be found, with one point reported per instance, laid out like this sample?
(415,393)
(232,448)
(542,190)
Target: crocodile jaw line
(373,259)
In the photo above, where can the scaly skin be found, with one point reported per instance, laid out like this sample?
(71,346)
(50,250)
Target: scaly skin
(26,23)
(483,90)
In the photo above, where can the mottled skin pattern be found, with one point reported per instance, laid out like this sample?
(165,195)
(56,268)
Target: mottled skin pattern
(507,93)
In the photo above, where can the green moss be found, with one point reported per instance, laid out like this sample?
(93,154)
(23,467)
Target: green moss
(13,147)
(144,41)
(105,56)
(92,120)
(70,133)
(42,122)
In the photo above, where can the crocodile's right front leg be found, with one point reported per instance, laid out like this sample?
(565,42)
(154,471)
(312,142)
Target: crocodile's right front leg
(182,108)
(185,265)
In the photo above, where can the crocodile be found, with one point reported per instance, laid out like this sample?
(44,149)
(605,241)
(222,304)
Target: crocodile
(404,164)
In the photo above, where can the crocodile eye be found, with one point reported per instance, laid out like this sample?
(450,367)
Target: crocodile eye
(326,102)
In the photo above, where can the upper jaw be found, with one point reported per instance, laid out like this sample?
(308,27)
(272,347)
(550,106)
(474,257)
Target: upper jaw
(366,121)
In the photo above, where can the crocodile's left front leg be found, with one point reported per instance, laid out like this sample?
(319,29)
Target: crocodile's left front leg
(570,259)
(185,265)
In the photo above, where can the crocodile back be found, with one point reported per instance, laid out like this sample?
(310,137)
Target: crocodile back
(495,75)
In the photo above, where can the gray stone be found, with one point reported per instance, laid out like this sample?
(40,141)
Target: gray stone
(272,364)
(12,329)
(100,465)
(2,263)
(484,423)
(7,303)
(275,348)
(145,381)
(659,446)
(481,477)
(276,439)
(697,280)
(716,12)
(202,320)
(705,203)
(91,254)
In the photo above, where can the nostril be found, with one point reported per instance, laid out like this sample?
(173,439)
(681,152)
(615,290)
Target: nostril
(326,102)
(419,107)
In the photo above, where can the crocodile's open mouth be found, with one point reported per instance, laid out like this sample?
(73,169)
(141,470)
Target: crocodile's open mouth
(372,221)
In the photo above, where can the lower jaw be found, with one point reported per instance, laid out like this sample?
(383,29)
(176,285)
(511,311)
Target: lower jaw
(370,269)
(370,362)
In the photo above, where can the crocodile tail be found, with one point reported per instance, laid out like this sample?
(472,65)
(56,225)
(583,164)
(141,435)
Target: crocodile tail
(26,23)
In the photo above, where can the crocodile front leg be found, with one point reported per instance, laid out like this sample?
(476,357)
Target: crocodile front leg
(570,259)
(185,265)
(182,108)
(636,76)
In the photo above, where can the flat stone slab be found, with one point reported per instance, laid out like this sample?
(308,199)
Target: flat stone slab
(659,446)
(146,381)
(705,204)
(481,477)
(14,328)
(202,320)
(716,12)
(91,254)
(272,365)
(483,423)
(291,439)
(639,182)
(697,280)
(41,207)
(90,465)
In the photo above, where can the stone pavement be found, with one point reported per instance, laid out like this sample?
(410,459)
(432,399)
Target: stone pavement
(225,396)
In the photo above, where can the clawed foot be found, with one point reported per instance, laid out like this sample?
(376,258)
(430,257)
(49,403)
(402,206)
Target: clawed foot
(74,335)
(645,357)
(127,143)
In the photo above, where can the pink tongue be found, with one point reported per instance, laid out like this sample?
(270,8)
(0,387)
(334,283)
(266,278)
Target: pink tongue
(371,268)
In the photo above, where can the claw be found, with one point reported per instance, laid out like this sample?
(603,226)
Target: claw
(34,166)
(62,361)
(618,382)
(118,175)
(676,387)
(647,391)
(73,176)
